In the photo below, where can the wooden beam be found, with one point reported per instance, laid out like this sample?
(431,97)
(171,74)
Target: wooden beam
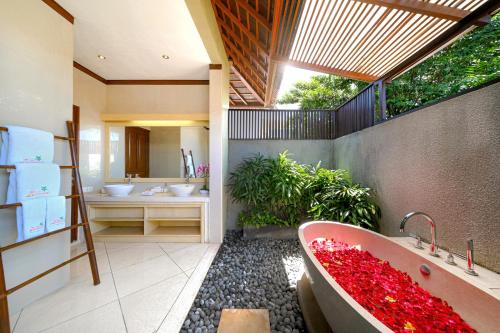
(89,72)
(247,85)
(257,42)
(159,82)
(254,13)
(428,9)
(237,94)
(235,47)
(236,21)
(454,31)
(60,10)
(324,69)
(271,68)
(238,56)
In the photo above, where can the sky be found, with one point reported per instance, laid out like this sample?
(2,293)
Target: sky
(290,76)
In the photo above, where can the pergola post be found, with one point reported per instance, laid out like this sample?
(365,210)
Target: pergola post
(382,96)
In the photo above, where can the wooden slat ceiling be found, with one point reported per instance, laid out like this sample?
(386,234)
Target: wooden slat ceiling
(359,39)
(364,39)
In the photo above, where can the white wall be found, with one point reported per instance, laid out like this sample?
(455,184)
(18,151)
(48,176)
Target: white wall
(90,96)
(36,90)
(176,99)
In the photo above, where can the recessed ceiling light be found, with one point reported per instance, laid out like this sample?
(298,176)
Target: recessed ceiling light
(100,56)
(166,57)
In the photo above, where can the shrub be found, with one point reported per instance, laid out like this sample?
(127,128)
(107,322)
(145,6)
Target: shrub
(283,192)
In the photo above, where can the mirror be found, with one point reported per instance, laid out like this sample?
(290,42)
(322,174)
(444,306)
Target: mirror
(156,151)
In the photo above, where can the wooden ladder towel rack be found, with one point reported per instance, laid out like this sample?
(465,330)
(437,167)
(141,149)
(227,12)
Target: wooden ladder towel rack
(4,292)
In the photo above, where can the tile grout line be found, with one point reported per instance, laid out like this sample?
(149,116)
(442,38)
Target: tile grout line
(184,287)
(116,290)
(169,257)
(79,315)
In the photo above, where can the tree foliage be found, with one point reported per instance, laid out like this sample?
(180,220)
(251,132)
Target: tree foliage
(468,62)
(322,92)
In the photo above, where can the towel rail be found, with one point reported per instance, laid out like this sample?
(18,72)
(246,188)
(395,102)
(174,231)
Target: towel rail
(58,137)
(4,308)
(33,279)
(60,167)
(29,240)
(18,204)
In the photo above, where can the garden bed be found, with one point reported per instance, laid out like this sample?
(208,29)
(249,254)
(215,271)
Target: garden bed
(270,231)
(250,274)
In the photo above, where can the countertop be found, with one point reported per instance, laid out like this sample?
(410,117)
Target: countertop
(137,197)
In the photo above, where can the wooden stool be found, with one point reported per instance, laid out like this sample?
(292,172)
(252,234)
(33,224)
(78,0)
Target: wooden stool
(244,321)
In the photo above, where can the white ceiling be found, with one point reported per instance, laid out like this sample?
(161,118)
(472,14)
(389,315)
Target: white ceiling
(133,35)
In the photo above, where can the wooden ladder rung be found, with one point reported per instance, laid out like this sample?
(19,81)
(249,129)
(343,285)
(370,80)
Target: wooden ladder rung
(77,181)
(14,245)
(18,204)
(60,167)
(33,279)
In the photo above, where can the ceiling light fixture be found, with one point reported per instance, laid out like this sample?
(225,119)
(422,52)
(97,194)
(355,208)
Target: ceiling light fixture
(166,57)
(100,56)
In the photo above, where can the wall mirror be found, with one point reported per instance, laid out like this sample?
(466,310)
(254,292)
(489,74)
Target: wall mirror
(156,149)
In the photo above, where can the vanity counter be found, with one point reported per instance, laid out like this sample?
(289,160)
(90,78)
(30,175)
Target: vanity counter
(162,217)
(137,197)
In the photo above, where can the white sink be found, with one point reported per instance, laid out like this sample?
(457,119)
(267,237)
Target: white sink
(181,190)
(118,190)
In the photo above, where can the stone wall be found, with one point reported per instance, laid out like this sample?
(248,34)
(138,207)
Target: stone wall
(444,160)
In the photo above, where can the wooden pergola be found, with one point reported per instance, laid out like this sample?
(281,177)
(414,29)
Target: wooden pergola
(367,40)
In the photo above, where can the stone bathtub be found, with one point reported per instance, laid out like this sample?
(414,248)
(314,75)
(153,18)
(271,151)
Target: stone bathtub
(471,297)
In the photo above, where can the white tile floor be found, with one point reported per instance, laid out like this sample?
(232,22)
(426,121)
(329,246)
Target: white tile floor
(145,287)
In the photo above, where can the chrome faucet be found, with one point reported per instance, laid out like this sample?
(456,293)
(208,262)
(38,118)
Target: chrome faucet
(129,178)
(470,258)
(433,249)
(188,178)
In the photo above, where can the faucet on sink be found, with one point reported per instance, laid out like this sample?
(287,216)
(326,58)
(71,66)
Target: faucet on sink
(434,248)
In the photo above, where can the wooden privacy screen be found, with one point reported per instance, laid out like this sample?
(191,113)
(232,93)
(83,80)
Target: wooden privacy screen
(272,124)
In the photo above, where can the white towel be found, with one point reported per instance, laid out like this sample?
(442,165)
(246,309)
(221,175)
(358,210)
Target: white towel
(34,180)
(26,145)
(56,213)
(33,214)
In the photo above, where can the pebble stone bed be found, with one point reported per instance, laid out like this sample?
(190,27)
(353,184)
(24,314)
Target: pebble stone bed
(250,274)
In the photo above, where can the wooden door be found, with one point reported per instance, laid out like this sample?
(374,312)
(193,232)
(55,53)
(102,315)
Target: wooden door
(137,151)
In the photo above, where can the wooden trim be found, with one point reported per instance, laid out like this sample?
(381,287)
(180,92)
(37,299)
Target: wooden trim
(428,9)
(454,31)
(159,82)
(327,70)
(60,10)
(154,116)
(89,72)
(215,66)
(142,82)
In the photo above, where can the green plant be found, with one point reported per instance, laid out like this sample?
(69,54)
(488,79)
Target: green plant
(344,201)
(260,219)
(249,183)
(283,192)
(288,180)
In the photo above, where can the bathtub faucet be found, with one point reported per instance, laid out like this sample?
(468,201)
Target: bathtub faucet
(433,249)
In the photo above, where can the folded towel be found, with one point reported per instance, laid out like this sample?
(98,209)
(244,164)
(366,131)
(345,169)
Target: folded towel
(56,213)
(31,218)
(26,145)
(33,180)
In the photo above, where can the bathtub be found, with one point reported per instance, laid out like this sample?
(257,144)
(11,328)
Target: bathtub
(476,303)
